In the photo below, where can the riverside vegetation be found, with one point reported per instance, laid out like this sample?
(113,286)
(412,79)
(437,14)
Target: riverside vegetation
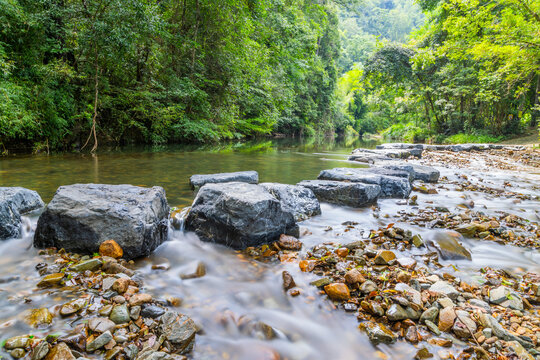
(76,74)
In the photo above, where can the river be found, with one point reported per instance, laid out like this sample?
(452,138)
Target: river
(238,292)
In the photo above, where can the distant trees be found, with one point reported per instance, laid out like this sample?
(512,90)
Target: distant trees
(86,71)
(474,67)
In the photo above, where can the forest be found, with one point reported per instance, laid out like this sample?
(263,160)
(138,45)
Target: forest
(78,73)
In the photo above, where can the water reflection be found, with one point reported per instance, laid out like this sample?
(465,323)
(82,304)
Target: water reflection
(276,160)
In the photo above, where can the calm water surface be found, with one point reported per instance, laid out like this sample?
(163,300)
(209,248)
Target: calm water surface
(282,160)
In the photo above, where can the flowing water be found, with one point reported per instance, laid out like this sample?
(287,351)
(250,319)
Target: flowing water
(237,292)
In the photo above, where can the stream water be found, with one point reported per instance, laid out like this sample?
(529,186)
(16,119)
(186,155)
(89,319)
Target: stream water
(238,292)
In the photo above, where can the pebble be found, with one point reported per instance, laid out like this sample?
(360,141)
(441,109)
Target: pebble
(152,311)
(368,287)
(92,265)
(51,280)
(337,291)
(288,242)
(139,299)
(378,333)
(120,314)
(442,287)
(99,342)
(354,276)
(396,313)
(384,257)
(446,318)
(39,317)
(17,342)
(72,307)
(288,281)
(111,248)
(101,324)
(40,351)
(60,352)
(121,285)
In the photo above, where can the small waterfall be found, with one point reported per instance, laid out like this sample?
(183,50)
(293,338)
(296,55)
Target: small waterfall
(178,218)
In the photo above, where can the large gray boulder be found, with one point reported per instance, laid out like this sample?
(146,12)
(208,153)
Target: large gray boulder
(343,193)
(418,172)
(14,202)
(81,216)
(391,186)
(298,200)
(250,177)
(239,215)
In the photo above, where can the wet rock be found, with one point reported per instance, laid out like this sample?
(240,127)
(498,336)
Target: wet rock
(90,265)
(101,324)
(418,241)
(80,217)
(238,215)
(99,342)
(72,307)
(135,312)
(321,282)
(480,303)
(446,318)
(391,186)
(378,333)
(505,297)
(112,267)
(298,200)
(51,280)
(131,351)
(432,327)
(152,311)
(442,287)
(337,291)
(17,342)
(179,330)
(198,181)
(288,281)
(288,242)
(40,351)
(120,285)
(430,314)
(60,352)
(463,326)
(396,313)
(412,334)
(520,351)
(139,299)
(354,276)
(384,257)
(120,314)
(342,193)
(39,317)
(368,287)
(151,354)
(111,248)
(14,202)
(423,353)
(414,149)
(447,245)
(199,272)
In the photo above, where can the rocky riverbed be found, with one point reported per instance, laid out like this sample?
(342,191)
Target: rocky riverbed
(450,271)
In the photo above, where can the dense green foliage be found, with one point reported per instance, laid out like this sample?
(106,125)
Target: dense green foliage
(473,69)
(161,71)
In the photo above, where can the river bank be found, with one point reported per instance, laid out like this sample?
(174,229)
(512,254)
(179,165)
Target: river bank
(239,290)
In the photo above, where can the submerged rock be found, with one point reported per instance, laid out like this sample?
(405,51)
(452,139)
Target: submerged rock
(446,243)
(342,193)
(80,217)
(250,177)
(378,333)
(298,200)
(14,202)
(239,215)
(391,186)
